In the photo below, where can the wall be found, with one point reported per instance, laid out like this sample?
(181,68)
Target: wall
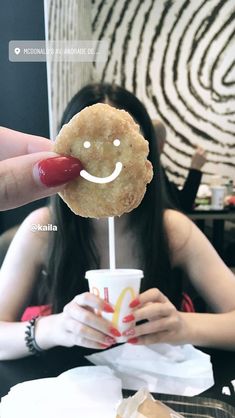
(66,20)
(178,57)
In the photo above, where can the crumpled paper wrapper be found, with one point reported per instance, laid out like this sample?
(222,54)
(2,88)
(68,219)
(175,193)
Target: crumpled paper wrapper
(161,368)
(143,405)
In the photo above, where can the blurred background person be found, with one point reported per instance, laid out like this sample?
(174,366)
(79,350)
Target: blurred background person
(184,198)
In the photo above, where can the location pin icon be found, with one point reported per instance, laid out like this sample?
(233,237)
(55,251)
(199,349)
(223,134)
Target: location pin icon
(17,51)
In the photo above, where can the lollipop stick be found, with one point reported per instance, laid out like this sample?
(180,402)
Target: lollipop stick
(112,261)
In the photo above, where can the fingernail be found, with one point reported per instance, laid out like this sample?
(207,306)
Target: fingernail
(115,332)
(105,345)
(135,302)
(110,340)
(132,340)
(107,308)
(55,171)
(128,318)
(129,332)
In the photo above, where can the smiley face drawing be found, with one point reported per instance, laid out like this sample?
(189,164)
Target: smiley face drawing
(102,180)
(114,155)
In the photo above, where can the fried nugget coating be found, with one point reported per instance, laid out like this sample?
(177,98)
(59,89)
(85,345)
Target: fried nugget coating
(91,136)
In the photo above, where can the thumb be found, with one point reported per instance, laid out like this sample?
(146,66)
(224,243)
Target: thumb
(31,177)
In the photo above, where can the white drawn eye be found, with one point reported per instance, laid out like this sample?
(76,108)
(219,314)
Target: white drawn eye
(87,144)
(116,142)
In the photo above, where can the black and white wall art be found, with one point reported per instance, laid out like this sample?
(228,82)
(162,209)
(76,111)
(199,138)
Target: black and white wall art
(178,57)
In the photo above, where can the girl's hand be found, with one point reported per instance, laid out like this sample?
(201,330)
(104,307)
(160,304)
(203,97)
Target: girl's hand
(164,323)
(29,170)
(79,325)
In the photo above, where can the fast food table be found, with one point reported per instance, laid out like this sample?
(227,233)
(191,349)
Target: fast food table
(218,219)
(59,359)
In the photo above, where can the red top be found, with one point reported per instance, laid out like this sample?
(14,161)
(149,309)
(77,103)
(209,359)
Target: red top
(33,311)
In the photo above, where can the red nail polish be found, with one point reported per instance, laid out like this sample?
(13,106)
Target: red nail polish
(132,340)
(107,308)
(110,340)
(135,302)
(115,332)
(105,345)
(128,318)
(58,170)
(129,332)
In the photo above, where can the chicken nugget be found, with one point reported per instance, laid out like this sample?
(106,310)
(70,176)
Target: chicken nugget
(113,153)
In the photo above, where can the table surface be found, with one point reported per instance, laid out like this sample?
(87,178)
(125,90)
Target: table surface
(58,360)
(225,214)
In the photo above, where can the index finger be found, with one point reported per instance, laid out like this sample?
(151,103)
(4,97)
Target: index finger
(90,300)
(151,295)
(14,143)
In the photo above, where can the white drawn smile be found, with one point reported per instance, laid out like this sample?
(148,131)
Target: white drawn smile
(102,180)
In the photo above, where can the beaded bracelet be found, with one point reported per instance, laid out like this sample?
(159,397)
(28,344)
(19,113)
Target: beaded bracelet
(30,341)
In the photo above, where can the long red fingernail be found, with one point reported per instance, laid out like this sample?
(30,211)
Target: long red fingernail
(128,318)
(107,308)
(110,340)
(129,332)
(115,332)
(132,340)
(58,170)
(135,302)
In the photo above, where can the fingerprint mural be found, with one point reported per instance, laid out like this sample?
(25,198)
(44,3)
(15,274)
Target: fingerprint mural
(178,57)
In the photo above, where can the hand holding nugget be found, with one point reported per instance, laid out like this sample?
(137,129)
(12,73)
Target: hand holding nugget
(29,170)
(114,156)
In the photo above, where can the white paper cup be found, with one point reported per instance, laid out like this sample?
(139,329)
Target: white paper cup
(217,197)
(117,287)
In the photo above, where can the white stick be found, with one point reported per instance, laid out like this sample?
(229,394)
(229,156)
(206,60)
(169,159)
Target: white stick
(112,261)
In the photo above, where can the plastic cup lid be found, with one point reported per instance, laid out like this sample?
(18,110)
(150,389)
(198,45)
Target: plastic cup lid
(102,273)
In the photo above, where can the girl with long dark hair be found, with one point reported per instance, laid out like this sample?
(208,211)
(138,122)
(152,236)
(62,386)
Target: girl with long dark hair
(153,237)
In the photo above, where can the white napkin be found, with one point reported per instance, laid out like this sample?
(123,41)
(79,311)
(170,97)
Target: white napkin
(162,368)
(81,392)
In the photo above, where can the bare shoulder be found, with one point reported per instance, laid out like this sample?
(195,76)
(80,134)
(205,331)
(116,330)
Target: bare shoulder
(26,255)
(37,222)
(178,228)
(30,234)
(191,251)
(39,216)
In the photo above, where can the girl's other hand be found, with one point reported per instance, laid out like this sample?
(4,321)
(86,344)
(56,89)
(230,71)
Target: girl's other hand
(164,323)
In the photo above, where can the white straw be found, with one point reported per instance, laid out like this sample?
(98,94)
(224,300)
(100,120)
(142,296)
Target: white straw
(112,261)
